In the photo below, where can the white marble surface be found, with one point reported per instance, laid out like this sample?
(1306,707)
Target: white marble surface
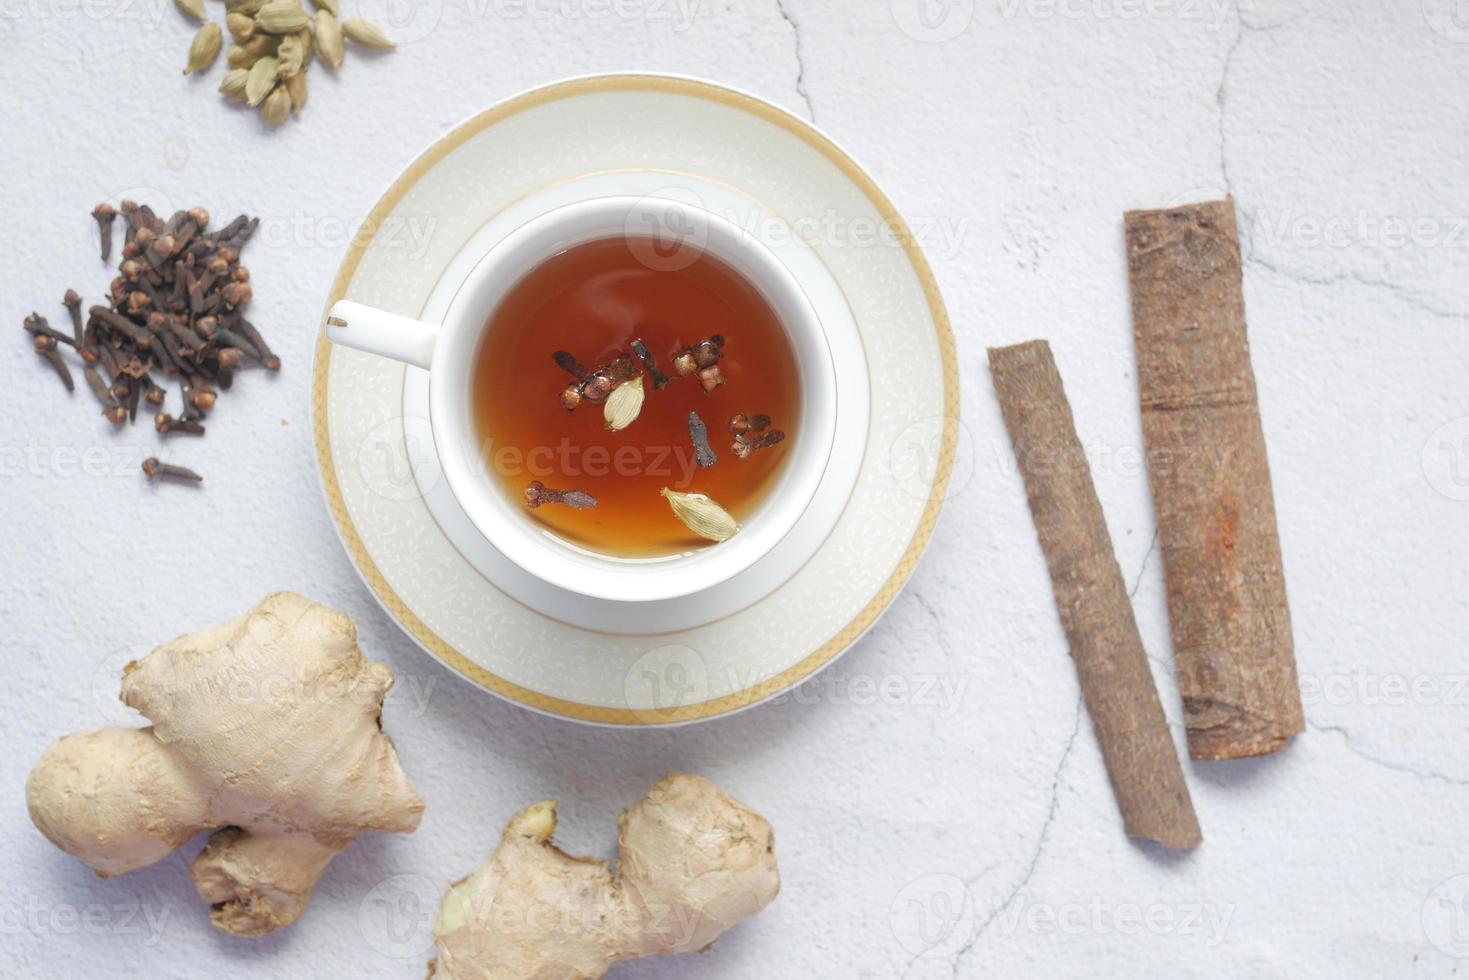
(962,828)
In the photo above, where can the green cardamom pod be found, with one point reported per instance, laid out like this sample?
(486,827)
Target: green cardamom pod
(330,6)
(296,89)
(329,39)
(191,8)
(204,49)
(241,26)
(261,80)
(367,34)
(233,86)
(281,17)
(276,107)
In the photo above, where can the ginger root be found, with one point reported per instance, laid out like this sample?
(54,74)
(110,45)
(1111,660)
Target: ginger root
(265,726)
(692,863)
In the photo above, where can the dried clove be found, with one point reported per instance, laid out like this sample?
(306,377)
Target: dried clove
(157,470)
(704,455)
(46,347)
(752,432)
(73,303)
(38,325)
(104,214)
(598,385)
(111,410)
(702,359)
(167,424)
(649,364)
(748,443)
(568,363)
(538,493)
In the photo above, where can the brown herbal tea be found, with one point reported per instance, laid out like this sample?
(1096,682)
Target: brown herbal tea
(696,339)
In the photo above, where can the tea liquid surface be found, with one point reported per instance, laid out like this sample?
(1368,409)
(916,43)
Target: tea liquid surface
(593,301)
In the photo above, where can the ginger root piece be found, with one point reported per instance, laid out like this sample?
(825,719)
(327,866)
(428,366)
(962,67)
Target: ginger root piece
(692,863)
(265,726)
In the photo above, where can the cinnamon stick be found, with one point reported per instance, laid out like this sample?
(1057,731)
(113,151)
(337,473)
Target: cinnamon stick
(1092,598)
(1211,483)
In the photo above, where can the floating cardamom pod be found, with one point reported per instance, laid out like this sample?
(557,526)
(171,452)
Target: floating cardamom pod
(329,39)
(276,107)
(261,80)
(624,405)
(242,27)
(367,34)
(233,86)
(190,8)
(296,89)
(330,6)
(281,17)
(701,515)
(204,49)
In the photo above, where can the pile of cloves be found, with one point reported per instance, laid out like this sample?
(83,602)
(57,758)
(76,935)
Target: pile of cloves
(176,310)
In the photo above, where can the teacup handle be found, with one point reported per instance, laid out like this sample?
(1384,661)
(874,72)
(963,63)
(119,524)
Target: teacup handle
(375,331)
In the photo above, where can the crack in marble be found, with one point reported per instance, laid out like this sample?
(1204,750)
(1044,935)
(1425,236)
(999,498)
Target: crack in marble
(1143,567)
(957,959)
(1406,296)
(1428,775)
(801,90)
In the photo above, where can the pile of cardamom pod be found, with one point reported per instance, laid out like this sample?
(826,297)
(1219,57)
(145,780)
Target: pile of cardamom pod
(274,41)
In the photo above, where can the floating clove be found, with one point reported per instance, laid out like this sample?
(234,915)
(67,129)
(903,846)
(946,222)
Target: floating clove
(704,455)
(649,364)
(167,424)
(753,432)
(538,493)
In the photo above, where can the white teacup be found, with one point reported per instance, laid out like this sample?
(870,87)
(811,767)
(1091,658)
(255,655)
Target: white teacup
(448,352)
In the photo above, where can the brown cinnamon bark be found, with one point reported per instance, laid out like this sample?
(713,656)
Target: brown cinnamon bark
(1092,598)
(1211,483)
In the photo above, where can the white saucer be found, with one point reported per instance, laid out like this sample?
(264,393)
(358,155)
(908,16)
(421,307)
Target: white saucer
(763,632)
